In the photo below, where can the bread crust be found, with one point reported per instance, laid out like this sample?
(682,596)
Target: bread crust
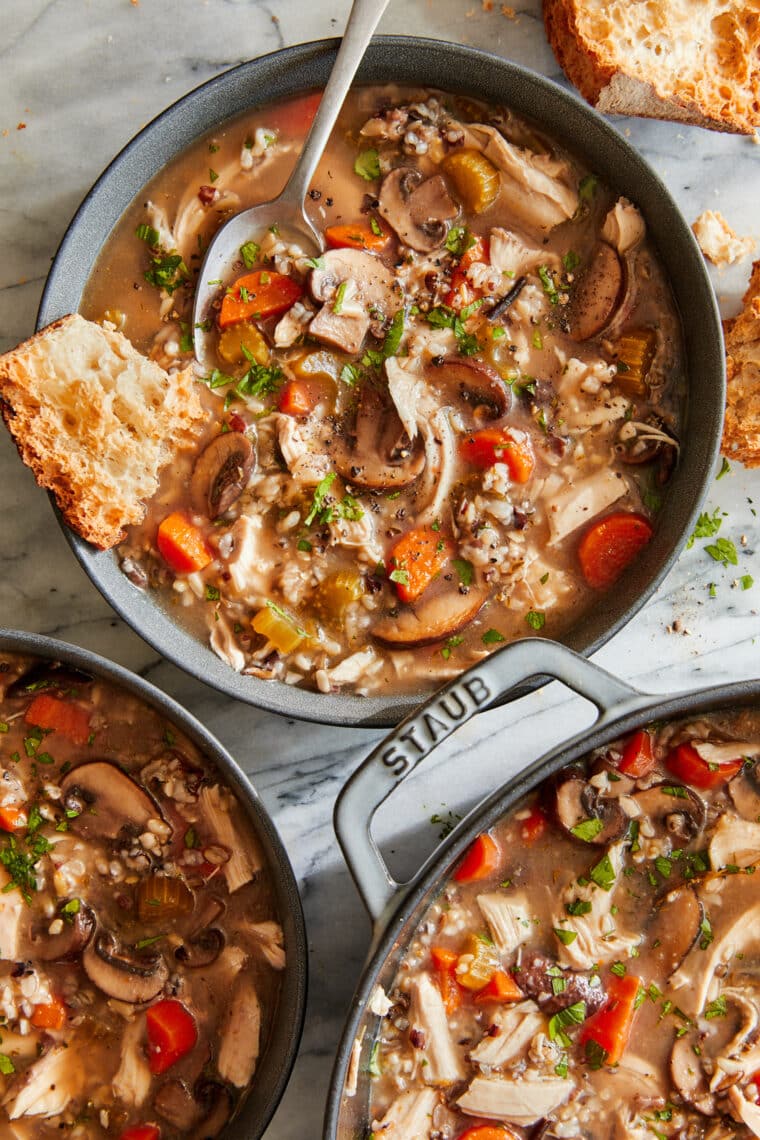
(741,429)
(615,83)
(95,421)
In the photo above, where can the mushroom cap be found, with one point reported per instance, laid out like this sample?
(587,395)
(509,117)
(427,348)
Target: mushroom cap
(474,383)
(220,473)
(675,927)
(432,619)
(744,790)
(373,281)
(598,293)
(108,800)
(574,801)
(72,940)
(673,809)
(378,453)
(417,209)
(122,973)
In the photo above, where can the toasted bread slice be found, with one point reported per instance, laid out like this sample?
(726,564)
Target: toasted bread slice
(694,61)
(96,421)
(741,430)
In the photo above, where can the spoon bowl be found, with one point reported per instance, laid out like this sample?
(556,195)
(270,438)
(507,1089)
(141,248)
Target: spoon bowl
(287,210)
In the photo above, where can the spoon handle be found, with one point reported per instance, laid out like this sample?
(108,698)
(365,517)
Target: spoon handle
(362,21)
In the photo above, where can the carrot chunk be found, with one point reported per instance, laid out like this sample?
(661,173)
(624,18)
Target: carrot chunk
(685,762)
(172,1033)
(610,544)
(533,826)
(610,1027)
(488,1132)
(51,1015)
(359,236)
(638,756)
(445,962)
(462,292)
(296,116)
(141,1132)
(181,545)
(482,860)
(502,987)
(59,716)
(298,398)
(417,558)
(12,818)
(258,295)
(489,446)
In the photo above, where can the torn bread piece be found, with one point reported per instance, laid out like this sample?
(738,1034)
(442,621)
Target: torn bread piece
(96,421)
(717,240)
(690,62)
(741,429)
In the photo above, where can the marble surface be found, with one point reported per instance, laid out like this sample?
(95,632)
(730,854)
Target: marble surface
(77,79)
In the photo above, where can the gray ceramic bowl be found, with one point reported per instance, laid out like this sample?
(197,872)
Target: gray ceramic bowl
(398,908)
(279,1055)
(456,68)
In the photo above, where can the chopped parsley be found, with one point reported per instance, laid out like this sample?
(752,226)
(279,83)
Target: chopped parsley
(340,297)
(578,906)
(535,619)
(6,1065)
(565,936)
(723,551)
(603,873)
(706,933)
(452,643)
(459,240)
(393,335)
(587,829)
(367,165)
(707,526)
(596,1054)
(167,271)
(212,594)
(717,1008)
(70,909)
(442,317)
(400,576)
(373,1068)
(725,467)
(464,569)
(746,581)
(618,968)
(492,637)
(149,235)
(571,260)
(564,1019)
(549,284)
(323,511)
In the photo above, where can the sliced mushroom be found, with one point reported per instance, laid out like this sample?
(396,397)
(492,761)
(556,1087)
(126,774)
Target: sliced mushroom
(221,473)
(576,802)
(107,801)
(418,211)
(216,1101)
(379,454)
(688,1076)
(597,294)
(374,297)
(123,972)
(430,620)
(744,791)
(208,909)
(474,383)
(673,809)
(201,950)
(48,676)
(675,928)
(176,1103)
(70,941)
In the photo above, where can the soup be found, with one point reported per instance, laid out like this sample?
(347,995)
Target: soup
(590,969)
(141,950)
(450,430)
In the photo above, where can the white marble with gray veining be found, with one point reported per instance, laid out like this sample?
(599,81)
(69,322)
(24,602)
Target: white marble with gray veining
(84,76)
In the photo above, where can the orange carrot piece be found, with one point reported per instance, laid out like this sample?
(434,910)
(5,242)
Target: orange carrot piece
(445,962)
(488,1132)
(297,398)
(416,559)
(638,757)
(685,762)
(264,294)
(295,117)
(359,236)
(12,818)
(533,826)
(482,860)
(51,1015)
(181,545)
(610,1027)
(59,716)
(502,987)
(610,544)
(488,446)
(462,292)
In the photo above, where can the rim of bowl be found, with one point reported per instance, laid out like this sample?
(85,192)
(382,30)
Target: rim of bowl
(271,1078)
(412,61)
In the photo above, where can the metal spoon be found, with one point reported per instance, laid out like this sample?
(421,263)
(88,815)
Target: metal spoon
(287,209)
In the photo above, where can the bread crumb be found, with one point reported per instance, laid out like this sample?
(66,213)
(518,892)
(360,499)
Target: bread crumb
(717,240)
(487,5)
(508,12)
(21,127)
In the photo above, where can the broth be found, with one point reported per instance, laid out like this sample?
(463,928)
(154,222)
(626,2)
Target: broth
(452,430)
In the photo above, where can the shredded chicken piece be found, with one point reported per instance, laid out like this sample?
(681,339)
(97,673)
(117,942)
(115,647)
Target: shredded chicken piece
(241,1033)
(409,1116)
(517,1025)
(47,1086)
(131,1082)
(598,939)
(508,918)
(429,1023)
(217,808)
(516,1101)
(624,227)
(268,939)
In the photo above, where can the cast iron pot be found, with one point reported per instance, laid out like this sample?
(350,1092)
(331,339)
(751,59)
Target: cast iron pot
(278,1058)
(398,908)
(456,68)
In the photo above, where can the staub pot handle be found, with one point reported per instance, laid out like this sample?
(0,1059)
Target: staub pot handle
(420,733)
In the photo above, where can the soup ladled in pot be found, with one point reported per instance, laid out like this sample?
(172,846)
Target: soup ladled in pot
(590,968)
(452,429)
